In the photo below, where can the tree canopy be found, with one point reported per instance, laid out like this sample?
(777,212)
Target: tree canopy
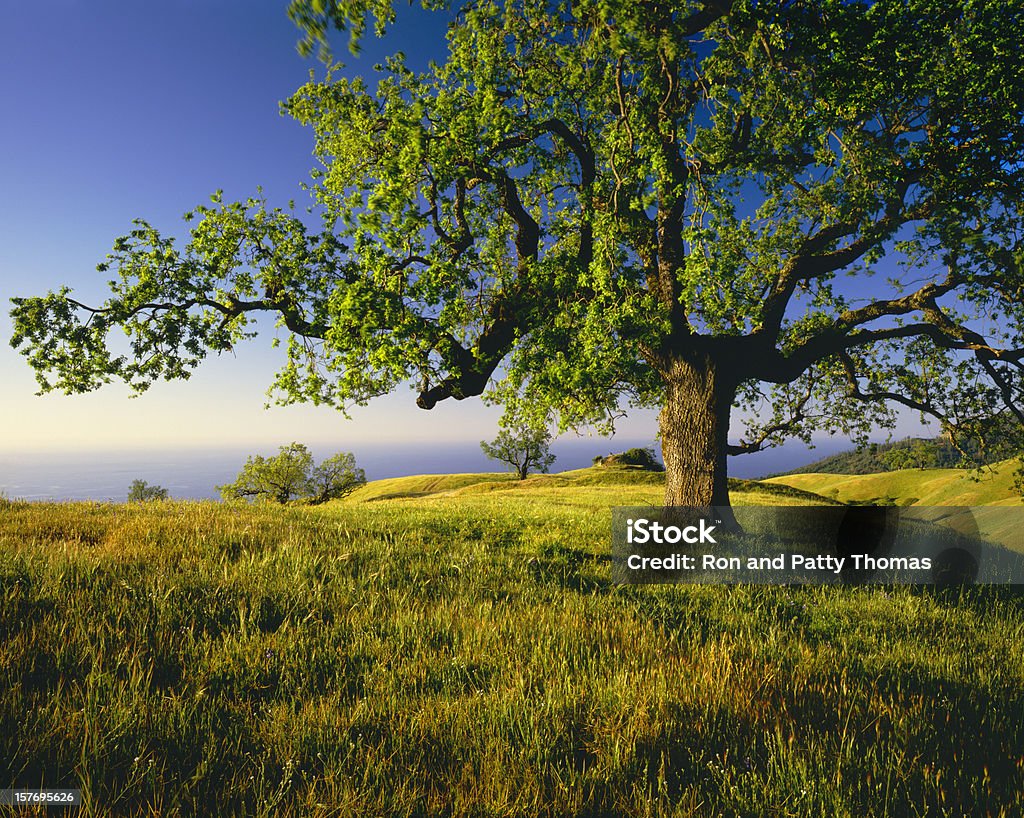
(524,447)
(806,210)
(142,492)
(291,474)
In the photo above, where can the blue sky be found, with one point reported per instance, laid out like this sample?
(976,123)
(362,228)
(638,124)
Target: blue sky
(115,110)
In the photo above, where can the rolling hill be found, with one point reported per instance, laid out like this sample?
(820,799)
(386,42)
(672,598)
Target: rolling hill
(926,487)
(938,453)
(625,485)
(597,484)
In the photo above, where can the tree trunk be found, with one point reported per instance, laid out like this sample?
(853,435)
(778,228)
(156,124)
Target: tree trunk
(694,423)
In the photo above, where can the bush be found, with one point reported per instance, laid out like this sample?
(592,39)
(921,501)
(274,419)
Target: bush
(142,492)
(639,458)
(291,475)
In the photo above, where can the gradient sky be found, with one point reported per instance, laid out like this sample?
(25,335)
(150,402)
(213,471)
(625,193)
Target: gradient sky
(115,110)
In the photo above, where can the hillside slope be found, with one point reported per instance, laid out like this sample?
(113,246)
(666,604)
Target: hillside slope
(926,487)
(595,485)
(628,486)
(422,485)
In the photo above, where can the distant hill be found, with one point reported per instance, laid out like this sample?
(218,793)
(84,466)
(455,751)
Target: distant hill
(624,485)
(992,488)
(907,487)
(872,459)
(595,489)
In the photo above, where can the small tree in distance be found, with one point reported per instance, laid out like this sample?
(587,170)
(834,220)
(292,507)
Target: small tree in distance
(278,478)
(291,474)
(335,477)
(523,447)
(140,492)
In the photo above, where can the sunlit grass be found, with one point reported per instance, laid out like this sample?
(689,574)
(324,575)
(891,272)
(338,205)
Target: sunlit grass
(926,487)
(465,654)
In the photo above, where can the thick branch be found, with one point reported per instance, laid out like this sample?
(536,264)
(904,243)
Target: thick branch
(511,314)
(464,240)
(842,335)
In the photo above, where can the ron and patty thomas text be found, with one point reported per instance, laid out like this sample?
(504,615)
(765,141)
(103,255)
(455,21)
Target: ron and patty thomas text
(796,562)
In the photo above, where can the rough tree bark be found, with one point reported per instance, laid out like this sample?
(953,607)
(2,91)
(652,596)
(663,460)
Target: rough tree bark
(694,425)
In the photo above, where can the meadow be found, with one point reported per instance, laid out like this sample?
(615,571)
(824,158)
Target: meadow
(452,646)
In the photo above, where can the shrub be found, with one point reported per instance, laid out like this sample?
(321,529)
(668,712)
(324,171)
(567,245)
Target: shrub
(637,457)
(142,492)
(291,475)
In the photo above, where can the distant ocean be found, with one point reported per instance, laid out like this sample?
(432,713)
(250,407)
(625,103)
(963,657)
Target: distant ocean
(195,473)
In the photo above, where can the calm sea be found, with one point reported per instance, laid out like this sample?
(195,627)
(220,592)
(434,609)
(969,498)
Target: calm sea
(195,473)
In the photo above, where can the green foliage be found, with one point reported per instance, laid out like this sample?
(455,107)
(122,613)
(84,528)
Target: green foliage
(280,478)
(141,491)
(316,18)
(705,198)
(524,447)
(469,656)
(920,454)
(640,457)
(334,478)
(924,453)
(291,474)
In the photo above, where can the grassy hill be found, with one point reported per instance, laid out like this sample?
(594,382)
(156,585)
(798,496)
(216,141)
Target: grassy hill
(993,489)
(422,485)
(633,486)
(595,486)
(927,487)
(453,645)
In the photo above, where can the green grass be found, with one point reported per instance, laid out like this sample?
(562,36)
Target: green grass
(421,485)
(599,487)
(464,653)
(925,487)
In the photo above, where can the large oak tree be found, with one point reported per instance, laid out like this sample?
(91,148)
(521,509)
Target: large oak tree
(809,210)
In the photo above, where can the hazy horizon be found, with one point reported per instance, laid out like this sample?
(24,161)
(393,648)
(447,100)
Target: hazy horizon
(194,472)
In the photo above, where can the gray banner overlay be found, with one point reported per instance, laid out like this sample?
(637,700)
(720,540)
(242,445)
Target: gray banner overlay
(819,545)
